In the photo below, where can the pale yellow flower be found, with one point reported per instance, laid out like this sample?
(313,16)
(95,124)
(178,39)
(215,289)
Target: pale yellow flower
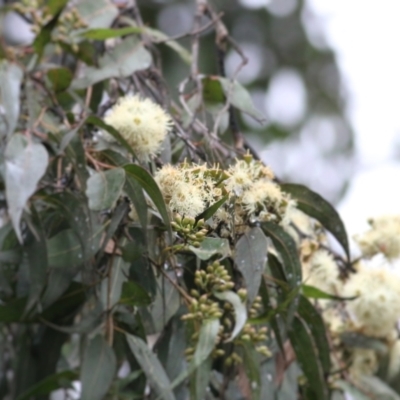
(322,272)
(383,237)
(364,362)
(141,122)
(377,309)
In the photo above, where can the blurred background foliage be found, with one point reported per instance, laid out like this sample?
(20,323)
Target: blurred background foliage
(292,76)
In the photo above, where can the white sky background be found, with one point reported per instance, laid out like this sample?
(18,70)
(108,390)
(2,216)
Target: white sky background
(366,38)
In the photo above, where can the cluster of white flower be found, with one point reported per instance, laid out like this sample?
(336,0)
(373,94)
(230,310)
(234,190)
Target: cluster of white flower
(141,122)
(383,237)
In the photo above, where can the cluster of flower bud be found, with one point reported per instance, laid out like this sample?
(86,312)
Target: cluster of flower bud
(191,232)
(255,307)
(69,21)
(214,278)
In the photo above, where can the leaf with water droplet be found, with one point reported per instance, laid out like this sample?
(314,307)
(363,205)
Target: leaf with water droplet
(26,163)
(250,258)
(209,247)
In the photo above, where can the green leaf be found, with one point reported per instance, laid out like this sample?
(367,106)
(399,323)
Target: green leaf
(123,60)
(317,328)
(205,345)
(151,366)
(92,119)
(103,34)
(354,392)
(11,76)
(111,287)
(44,36)
(314,293)
(36,255)
(250,258)
(148,183)
(307,356)
(317,207)
(209,247)
(104,188)
(286,247)
(134,295)
(239,97)
(97,14)
(252,367)
(239,310)
(26,163)
(49,384)
(135,193)
(357,340)
(210,211)
(60,78)
(65,250)
(98,369)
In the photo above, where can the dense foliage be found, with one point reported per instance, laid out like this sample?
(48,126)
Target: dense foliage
(147,252)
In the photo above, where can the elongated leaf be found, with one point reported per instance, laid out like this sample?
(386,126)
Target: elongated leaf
(307,357)
(104,188)
(26,162)
(252,367)
(148,183)
(151,366)
(104,33)
(11,76)
(317,207)
(238,95)
(250,258)
(53,382)
(98,369)
(209,247)
(135,193)
(210,211)
(239,310)
(92,119)
(317,328)
(111,287)
(36,254)
(286,247)
(123,60)
(205,345)
(314,293)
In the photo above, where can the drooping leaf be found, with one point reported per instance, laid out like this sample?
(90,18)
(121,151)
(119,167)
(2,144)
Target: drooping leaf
(317,328)
(286,247)
(239,309)
(26,162)
(151,366)
(250,258)
(360,341)
(307,356)
(123,60)
(49,384)
(148,183)
(317,207)
(209,247)
(205,345)
(36,255)
(60,78)
(111,287)
(98,369)
(252,367)
(11,76)
(104,188)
